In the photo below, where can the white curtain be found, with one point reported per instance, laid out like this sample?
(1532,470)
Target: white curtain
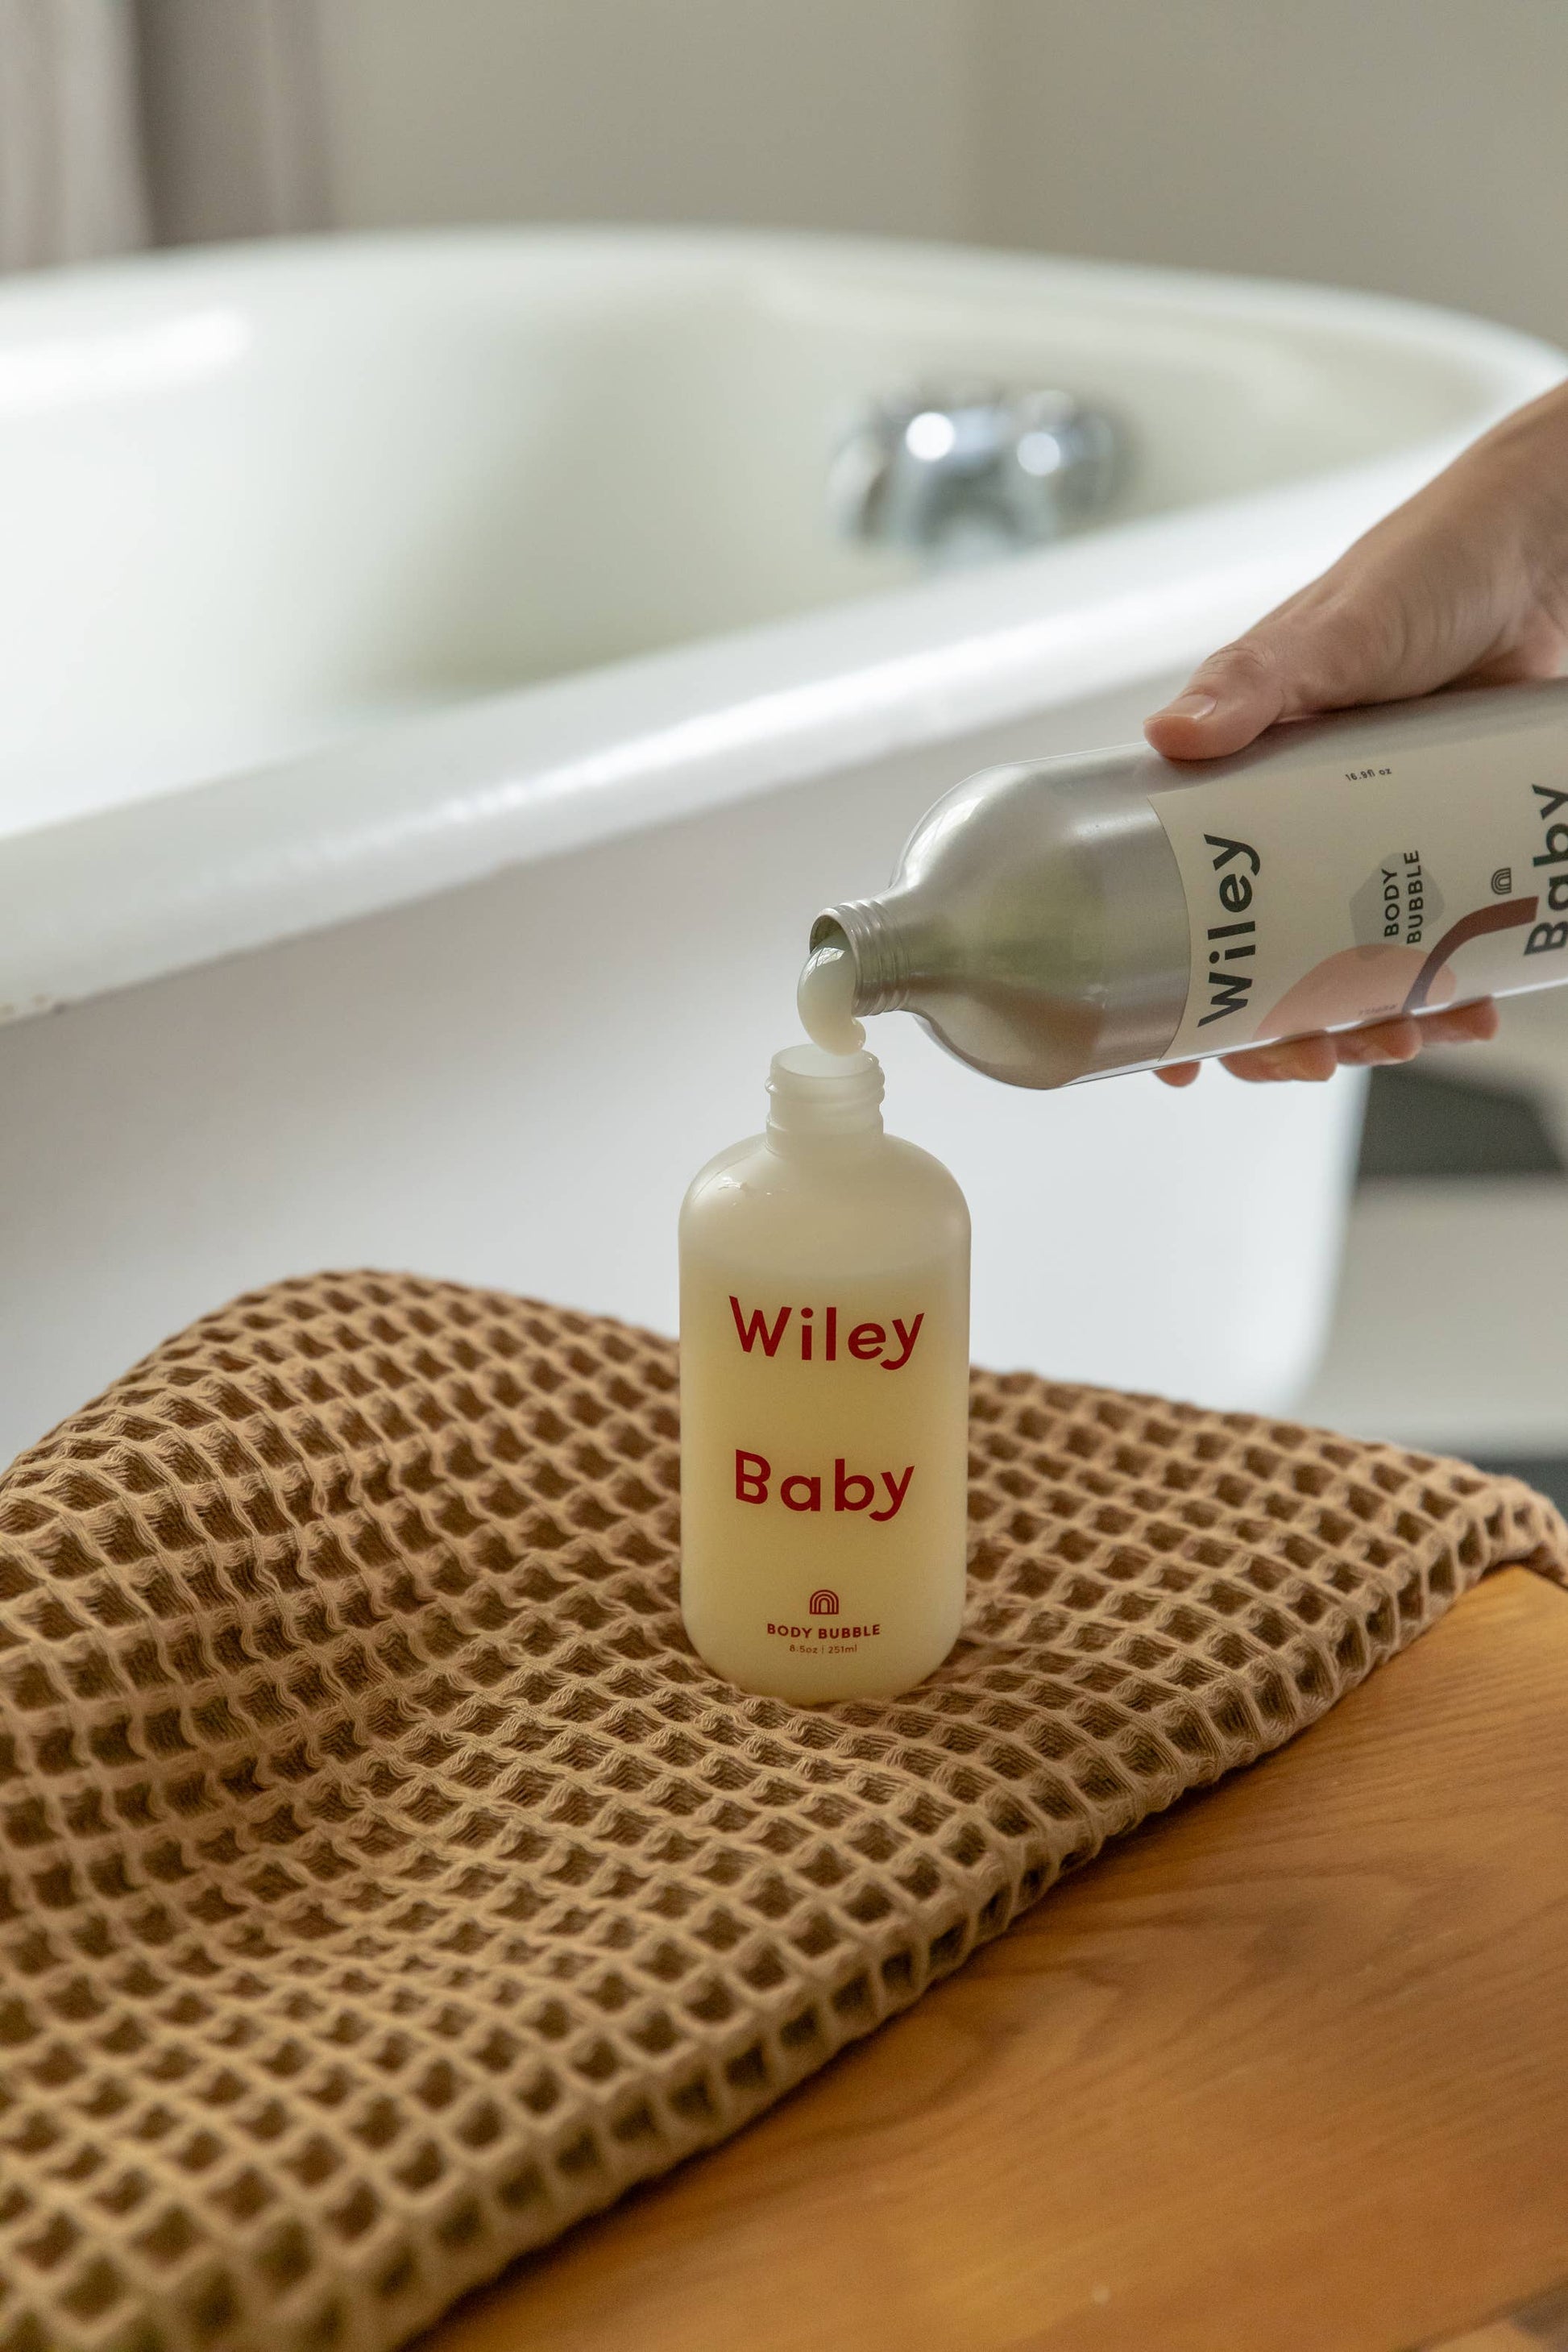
(128,123)
(71,182)
(232,105)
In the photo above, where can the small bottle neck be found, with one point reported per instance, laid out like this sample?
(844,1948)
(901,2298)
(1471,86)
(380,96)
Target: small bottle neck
(819,1101)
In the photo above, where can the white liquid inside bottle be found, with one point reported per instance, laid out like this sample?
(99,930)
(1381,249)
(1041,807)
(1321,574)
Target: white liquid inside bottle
(825,1382)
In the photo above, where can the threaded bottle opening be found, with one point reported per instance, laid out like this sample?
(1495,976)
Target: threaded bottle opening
(814,1093)
(876,947)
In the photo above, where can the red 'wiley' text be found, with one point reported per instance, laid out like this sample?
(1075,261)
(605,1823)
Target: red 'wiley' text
(819,1341)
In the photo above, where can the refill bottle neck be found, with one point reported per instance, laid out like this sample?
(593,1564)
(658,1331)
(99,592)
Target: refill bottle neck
(824,1102)
(877,947)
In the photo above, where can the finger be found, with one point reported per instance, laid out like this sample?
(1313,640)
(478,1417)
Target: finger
(1323,650)
(1310,1060)
(1228,701)
(1459,1024)
(1379,1043)
(1534,650)
(1365,632)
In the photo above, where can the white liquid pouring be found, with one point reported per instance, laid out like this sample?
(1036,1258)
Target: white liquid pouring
(824,999)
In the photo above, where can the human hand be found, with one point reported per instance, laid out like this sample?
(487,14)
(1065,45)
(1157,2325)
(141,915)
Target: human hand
(1465,584)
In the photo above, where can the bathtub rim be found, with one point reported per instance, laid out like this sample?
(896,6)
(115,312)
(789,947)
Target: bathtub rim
(396,813)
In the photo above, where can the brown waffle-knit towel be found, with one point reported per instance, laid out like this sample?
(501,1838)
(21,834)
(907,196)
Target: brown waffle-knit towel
(386,1884)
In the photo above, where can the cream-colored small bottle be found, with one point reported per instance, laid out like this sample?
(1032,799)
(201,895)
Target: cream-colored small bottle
(823,1396)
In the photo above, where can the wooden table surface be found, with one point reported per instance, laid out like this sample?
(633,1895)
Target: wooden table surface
(1286,2072)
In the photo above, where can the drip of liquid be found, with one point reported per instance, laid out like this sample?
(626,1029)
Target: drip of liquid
(826,1000)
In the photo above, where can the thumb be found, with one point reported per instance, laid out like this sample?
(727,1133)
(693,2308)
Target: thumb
(1228,701)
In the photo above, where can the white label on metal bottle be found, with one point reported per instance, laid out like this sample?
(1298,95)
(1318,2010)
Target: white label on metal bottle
(1321,898)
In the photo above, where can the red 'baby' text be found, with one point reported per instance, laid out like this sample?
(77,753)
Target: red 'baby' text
(852,1490)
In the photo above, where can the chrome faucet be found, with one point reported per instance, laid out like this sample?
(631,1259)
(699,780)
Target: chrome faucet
(968,472)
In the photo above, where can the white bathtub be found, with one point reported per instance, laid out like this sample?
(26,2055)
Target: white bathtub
(434,705)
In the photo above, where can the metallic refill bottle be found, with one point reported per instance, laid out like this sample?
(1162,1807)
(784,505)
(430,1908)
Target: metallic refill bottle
(1082,916)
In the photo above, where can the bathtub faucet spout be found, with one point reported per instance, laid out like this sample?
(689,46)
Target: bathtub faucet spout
(966,473)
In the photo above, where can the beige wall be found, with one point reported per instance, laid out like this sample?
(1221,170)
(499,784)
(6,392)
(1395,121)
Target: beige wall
(1419,146)
(825,114)
(1416,145)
